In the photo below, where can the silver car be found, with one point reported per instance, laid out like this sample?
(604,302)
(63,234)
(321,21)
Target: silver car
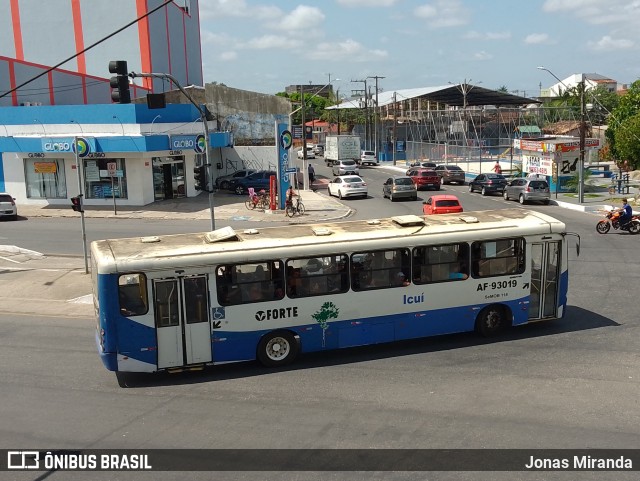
(345,167)
(8,206)
(526,190)
(400,187)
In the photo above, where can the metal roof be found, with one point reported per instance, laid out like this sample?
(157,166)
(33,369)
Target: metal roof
(451,95)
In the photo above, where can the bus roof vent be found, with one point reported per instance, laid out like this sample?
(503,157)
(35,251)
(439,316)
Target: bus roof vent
(408,220)
(150,239)
(373,222)
(321,231)
(218,235)
(469,219)
(251,231)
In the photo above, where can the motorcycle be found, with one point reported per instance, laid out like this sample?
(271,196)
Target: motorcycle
(612,220)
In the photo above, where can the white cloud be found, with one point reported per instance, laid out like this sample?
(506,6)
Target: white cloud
(301,18)
(228,55)
(347,49)
(216,9)
(597,11)
(444,13)
(608,43)
(269,42)
(536,38)
(482,55)
(473,35)
(367,3)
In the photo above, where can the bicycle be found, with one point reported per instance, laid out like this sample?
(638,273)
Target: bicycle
(259,200)
(292,209)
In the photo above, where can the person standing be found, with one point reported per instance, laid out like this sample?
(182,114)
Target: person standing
(496,168)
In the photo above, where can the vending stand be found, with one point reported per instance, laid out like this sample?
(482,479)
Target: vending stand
(554,158)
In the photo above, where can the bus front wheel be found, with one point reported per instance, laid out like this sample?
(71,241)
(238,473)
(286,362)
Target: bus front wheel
(278,348)
(492,320)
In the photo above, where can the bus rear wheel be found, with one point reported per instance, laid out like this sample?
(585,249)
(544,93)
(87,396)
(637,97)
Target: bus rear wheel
(492,320)
(278,349)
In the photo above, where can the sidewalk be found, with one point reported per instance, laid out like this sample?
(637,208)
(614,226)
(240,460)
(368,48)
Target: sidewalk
(319,207)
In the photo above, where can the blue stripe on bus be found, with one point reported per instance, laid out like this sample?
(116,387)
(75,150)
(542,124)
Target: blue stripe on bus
(233,346)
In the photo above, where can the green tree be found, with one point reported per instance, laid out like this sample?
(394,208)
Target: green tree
(627,140)
(628,106)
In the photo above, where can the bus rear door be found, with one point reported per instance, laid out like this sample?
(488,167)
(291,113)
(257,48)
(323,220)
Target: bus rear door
(545,263)
(181,306)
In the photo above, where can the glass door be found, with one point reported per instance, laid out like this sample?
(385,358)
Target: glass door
(545,264)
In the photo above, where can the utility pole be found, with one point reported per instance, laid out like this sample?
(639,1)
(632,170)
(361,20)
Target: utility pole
(305,175)
(366,110)
(375,116)
(395,122)
(583,133)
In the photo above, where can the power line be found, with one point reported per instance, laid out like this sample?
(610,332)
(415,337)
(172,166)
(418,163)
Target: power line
(88,48)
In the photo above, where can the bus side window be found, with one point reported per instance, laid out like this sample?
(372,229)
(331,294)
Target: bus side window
(132,294)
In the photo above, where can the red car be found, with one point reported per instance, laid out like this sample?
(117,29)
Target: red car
(441,204)
(424,178)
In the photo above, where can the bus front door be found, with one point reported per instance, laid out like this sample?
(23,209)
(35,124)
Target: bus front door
(181,308)
(545,262)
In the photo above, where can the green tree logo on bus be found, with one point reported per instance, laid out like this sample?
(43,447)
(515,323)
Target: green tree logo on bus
(326,312)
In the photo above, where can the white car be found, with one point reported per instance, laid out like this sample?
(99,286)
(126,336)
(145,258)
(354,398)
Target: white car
(8,206)
(310,154)
(348,186)
(368,157)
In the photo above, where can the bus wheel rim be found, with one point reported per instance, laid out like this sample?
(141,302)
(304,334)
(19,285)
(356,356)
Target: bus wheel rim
(277,348)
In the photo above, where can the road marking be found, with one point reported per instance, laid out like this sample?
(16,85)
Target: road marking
(30,268)
(86,299)
(10,260)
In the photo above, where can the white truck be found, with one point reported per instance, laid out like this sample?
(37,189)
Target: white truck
(341,147)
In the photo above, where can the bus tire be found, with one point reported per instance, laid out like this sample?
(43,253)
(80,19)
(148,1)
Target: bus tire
(492,320)
(278,348)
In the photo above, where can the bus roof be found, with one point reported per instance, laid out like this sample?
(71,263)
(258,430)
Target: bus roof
(229,246)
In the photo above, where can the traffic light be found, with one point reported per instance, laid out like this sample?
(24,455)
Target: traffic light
(200,176)
(76,203)
(119,83)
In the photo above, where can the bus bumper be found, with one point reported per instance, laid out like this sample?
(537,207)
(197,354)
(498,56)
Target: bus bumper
(109,359)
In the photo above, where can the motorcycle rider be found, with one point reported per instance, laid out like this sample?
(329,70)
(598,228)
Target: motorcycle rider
(625,213)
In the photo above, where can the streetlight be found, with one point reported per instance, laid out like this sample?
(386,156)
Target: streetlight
(582,132)
(305,170)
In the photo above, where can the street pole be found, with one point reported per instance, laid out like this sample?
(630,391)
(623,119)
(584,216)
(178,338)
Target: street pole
(375,117)
(305,174)
(395,118)
(84,231)
(582,142)
(205,127)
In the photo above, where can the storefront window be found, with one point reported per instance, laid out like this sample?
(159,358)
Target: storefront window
(98,183)
(45,178)
(168,177)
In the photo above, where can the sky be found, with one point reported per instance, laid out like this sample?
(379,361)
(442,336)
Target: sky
(266,45)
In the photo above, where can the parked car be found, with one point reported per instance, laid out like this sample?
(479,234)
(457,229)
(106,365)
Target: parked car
(8,206)
(426,165)
(526,190)
(368,157)
(488,183)
(441,204)
(450,174)
(399,187)
(345,167)
(318,149)
(424,178)
(310,154)
(222,182)
(258,181)
(348,186)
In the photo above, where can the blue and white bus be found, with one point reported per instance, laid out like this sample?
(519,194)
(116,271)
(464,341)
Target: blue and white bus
(183,301)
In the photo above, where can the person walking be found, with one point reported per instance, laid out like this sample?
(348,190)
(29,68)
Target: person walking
(312,174)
